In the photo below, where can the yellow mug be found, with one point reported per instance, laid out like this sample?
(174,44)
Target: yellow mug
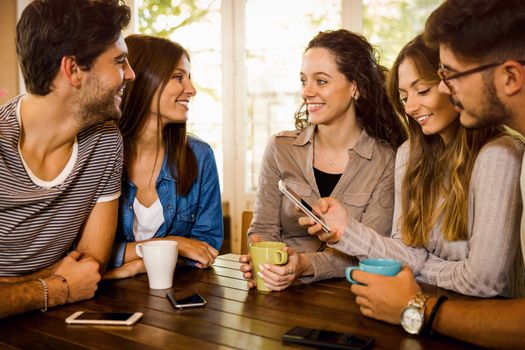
(266,253)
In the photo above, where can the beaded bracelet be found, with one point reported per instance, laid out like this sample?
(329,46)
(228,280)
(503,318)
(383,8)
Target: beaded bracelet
(64,281)
(46,294)
(427,330)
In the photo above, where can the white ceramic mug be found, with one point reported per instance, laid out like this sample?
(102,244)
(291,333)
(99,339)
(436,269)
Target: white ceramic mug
(160,259)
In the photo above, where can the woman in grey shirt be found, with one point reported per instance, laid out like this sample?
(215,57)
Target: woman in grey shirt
(344,146)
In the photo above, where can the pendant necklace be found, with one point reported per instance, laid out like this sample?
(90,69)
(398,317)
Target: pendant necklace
(330,161)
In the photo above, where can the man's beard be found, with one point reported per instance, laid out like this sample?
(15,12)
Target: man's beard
(492,112)
(97,104)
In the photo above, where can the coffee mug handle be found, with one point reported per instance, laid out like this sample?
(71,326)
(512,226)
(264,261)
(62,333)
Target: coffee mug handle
(348,273)
(282,257)
(138,249)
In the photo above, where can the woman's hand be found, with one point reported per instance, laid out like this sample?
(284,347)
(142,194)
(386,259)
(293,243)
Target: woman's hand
(246,264)
(335,216)
(199,251)
(129,269)
(247,270)
(280,277)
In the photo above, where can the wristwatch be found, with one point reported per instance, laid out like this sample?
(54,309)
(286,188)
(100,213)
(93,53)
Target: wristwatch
(413,315)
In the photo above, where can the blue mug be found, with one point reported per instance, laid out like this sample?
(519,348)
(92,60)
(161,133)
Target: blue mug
(387,267)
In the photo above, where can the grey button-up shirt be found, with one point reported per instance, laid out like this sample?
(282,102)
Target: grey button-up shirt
(488,263)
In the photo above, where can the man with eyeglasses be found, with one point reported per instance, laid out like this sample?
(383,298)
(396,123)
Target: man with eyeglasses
(482,53)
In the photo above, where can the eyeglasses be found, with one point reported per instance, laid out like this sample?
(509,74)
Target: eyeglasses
(444,75)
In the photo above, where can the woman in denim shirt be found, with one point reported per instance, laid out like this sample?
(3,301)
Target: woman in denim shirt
(170,187)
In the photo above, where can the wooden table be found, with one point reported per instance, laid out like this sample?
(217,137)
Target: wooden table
(234,316)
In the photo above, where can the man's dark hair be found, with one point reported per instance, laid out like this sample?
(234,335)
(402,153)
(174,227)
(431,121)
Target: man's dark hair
(479,30)
(49,30)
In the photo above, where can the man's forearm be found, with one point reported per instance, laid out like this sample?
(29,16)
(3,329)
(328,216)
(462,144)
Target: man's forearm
(490,323)
(48,271)
(27,296)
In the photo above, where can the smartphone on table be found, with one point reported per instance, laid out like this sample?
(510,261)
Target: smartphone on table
(305,207)
(327,339)
(184,299)
(104,318)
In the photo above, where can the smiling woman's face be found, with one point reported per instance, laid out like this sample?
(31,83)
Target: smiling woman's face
(423,102)
(175,99)
(325,90)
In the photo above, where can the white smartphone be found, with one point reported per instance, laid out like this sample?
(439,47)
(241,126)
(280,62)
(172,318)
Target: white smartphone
(182,299)
(296,199)
(104,318)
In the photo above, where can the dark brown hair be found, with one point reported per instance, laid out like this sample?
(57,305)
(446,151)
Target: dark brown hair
(357,60)
(479,30)
(437,177)
(154,60)
(49,30)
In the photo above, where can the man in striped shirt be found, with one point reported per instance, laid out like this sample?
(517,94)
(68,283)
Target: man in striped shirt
(60,155)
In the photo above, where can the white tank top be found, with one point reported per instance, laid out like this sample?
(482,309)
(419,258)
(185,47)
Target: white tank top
(148,220)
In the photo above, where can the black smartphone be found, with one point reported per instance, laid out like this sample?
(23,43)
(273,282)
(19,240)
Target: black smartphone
(327,339)
(182,299)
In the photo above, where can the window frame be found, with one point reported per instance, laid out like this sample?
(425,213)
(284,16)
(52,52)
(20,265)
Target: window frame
(234,196)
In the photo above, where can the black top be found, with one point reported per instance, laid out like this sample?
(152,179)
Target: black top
(326,182)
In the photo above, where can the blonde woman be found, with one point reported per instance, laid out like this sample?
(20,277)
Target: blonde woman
(457,202)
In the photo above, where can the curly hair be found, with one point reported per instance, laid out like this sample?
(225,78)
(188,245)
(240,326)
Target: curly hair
(357,60)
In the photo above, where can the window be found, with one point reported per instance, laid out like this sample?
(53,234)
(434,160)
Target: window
(389,24)
(273,61)
(196,25)
(246,58)
(245,64)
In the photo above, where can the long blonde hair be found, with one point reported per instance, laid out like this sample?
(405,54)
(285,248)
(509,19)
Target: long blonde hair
(437,179)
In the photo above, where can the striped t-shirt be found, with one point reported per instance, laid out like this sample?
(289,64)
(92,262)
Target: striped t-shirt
(39,220)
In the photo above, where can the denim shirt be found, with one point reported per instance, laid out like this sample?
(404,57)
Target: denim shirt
(197,215)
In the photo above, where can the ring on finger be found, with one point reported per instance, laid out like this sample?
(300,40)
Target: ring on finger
(291,271)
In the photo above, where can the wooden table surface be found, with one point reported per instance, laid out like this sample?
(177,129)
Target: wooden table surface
(233,318)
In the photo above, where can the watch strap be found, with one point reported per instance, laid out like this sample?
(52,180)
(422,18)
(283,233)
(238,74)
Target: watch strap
(427,329)
(419,300)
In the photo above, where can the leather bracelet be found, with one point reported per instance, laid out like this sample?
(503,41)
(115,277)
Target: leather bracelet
(67,285)
(46,294)
(427,330)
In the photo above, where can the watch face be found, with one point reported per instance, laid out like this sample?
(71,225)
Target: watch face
(412,320)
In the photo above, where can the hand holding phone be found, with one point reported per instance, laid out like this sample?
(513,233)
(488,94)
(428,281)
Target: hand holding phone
(104,318)
(296,199)
(183,299)
(327,339)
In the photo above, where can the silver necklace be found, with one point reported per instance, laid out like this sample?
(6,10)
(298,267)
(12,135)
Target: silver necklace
(330,161)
